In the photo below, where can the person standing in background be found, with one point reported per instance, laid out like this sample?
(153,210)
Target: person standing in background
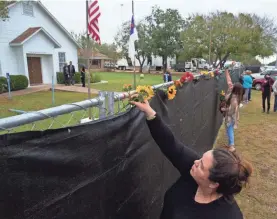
(247,85)
(167,76)
(241,82)
(66,75)
(249,94)
(83,77)
(266,91)
(233,98)
(71,69)
(274,87)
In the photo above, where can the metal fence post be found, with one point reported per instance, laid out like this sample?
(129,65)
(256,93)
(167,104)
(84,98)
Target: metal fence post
(9,85)
(102,106)
(111,103)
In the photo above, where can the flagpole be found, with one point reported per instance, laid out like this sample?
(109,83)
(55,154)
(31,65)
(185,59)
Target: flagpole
(88,63)
(135,84)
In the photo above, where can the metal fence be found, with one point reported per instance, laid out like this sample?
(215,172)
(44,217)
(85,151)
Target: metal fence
(105,105)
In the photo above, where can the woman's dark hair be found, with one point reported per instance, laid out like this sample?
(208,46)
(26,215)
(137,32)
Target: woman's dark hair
(230,171)
(83,69)
(237,90)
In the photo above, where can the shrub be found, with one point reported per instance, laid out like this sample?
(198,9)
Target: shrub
(77,77)
(3,85)
(60,77)
(18,82)
(94,78)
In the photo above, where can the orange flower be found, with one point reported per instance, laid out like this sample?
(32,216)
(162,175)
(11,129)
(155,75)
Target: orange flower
(177,83)
(127,87)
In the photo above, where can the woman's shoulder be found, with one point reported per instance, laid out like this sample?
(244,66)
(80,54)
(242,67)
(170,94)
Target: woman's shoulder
(230,209)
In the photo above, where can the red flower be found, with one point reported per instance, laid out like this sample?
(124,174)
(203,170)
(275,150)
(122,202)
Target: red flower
(186,77)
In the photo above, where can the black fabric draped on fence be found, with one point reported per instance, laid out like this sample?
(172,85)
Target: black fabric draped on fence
(106,169)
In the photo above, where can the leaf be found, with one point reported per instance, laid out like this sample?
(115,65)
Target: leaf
(4,13)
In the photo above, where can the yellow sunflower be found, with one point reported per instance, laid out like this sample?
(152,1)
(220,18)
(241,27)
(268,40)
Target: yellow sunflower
(151,92)
(146,92)
(222,93)
(171,92)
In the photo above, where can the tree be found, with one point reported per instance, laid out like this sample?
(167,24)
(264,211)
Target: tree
(106,49)
(245,58)
(230,34)
(122,39)
(165,29)
(4,13)
(143,46)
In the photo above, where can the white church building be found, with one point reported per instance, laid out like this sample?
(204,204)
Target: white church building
(33,43)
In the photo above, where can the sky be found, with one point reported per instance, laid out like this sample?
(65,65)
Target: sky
(72,13)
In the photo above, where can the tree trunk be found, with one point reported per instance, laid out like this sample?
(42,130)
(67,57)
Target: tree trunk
(225,58)
(129,61)
(219,63)
(141,63)
(214,61)
(164,63)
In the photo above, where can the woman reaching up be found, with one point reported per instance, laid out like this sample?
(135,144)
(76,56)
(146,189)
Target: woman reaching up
(233,99)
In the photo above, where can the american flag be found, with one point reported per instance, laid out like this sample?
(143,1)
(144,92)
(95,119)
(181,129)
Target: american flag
(93,16)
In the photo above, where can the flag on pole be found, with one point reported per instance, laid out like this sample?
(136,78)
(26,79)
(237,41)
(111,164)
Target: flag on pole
(93,16)
(133,38)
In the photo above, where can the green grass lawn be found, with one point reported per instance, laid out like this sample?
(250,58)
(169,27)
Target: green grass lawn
(117,79)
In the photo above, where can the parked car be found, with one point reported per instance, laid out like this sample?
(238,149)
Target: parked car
(257,83)
(181,67)
(261,75)
(268,67)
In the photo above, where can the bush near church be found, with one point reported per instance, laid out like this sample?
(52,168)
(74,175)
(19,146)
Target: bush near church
(60,77)
(3,85)
(18,82)
(94,78)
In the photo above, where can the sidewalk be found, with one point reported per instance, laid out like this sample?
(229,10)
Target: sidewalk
(28,90)
(46,87)
(76,88)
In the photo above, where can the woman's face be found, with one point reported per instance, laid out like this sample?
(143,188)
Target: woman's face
(200,171)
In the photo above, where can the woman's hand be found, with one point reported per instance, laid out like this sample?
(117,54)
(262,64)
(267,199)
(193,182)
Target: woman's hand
(144,107)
